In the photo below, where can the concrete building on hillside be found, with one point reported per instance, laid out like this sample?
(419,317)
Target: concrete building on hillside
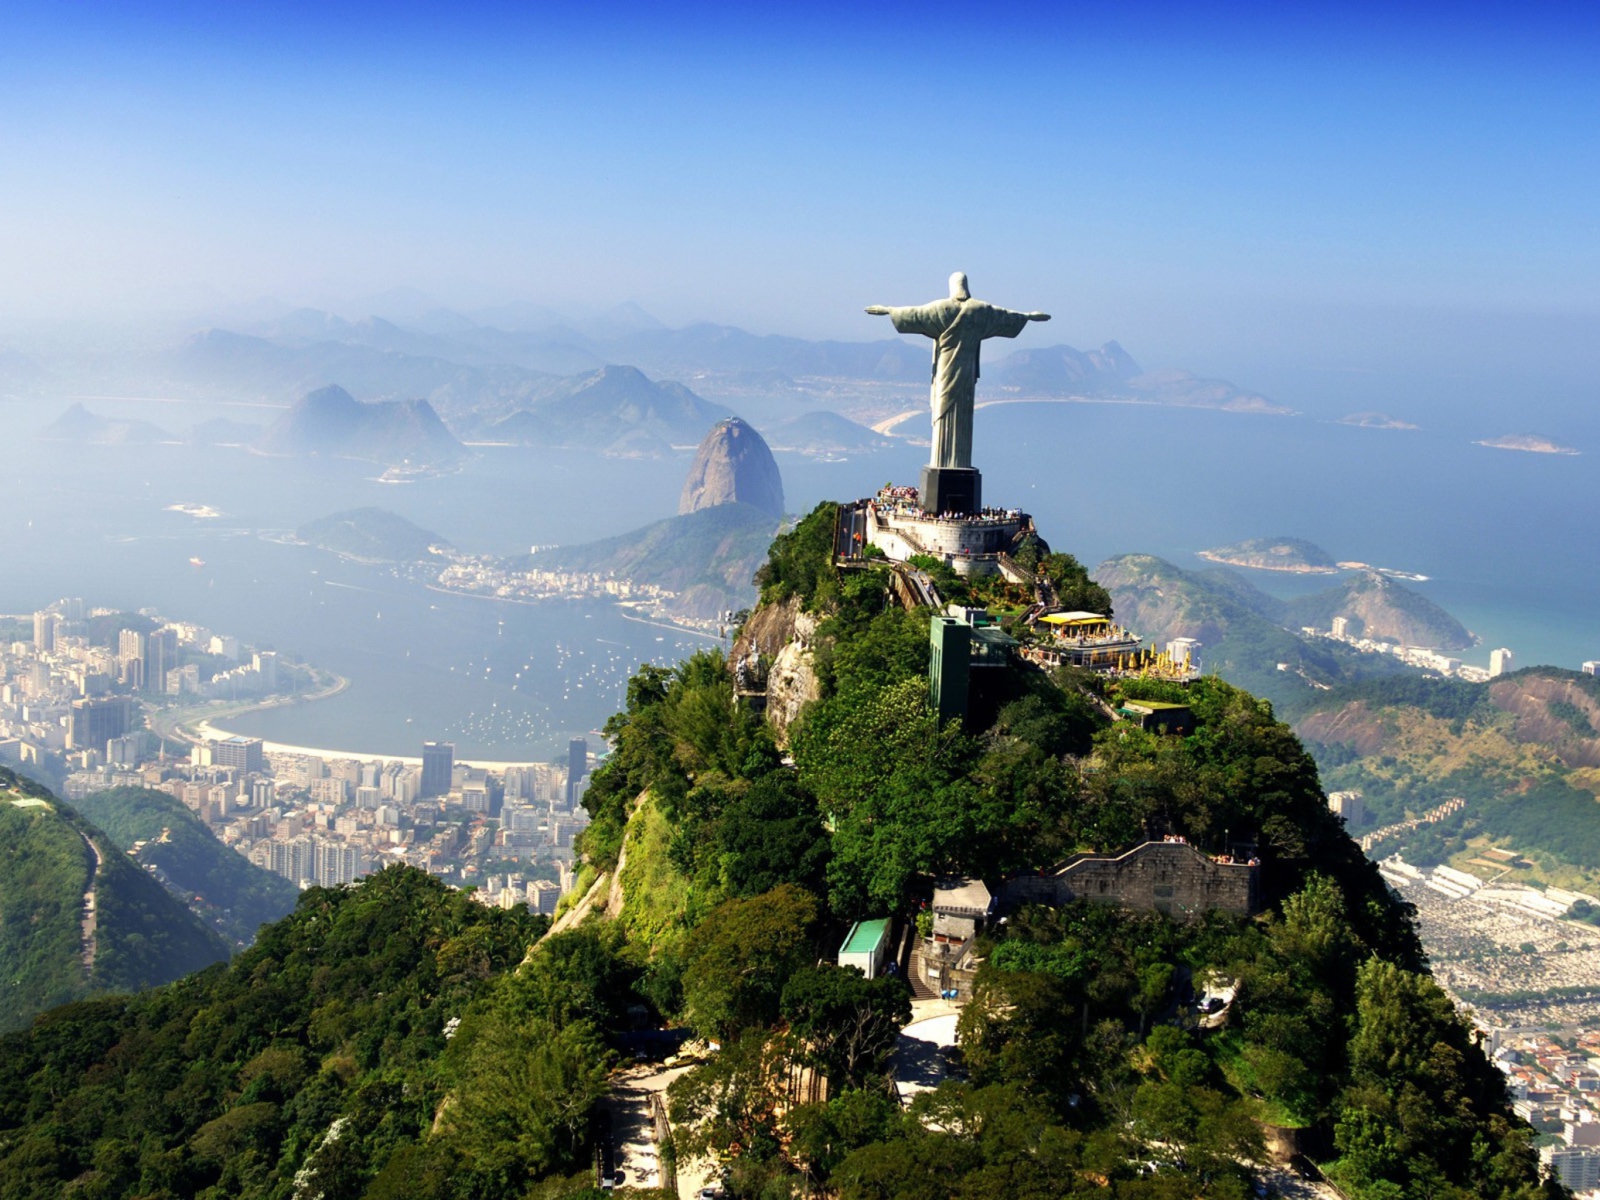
(1500,662)
(866,947)
(1169,876)
(1349,805)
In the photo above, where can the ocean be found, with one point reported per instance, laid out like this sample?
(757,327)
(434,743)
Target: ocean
(1507,539)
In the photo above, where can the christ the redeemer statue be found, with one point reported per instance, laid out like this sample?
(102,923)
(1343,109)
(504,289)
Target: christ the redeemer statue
(958,326)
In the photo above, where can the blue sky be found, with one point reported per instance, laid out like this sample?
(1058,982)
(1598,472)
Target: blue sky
(1214,184)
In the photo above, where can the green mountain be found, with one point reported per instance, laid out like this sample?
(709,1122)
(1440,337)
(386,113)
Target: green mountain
(395,1038)
(224,889)
(707,557)
(371,535)
(1377,607)
(1523,751)
(55,946)
(1245,633)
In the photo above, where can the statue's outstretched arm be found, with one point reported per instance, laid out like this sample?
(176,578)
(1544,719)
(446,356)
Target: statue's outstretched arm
(877,310)
(1037,316)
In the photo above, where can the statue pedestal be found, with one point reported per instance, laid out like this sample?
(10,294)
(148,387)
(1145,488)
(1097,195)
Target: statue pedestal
(951,490)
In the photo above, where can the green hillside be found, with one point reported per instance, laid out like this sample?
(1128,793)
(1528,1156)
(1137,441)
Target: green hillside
(226,890)
(1244,632)
(140,936)
(707,557)
(1379,608)
(722,871)
(1522,750)
(322,1048)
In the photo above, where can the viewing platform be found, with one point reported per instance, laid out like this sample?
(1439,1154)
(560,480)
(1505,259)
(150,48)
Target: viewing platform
(976,543)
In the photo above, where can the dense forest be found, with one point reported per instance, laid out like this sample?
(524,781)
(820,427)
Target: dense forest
(328,1060)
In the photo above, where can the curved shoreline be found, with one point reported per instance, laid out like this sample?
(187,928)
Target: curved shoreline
(622,609)
(208,730)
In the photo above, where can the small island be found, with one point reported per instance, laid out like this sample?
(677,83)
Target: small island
(1295,555)
(1532,443)
(1374,420)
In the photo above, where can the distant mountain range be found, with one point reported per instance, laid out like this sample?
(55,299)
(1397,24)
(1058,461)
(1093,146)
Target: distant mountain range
(80,425)
(475,373)
(330,421)
(618,409)
(1294,555)
(51,949)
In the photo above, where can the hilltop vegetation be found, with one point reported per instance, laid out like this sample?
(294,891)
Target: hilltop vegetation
(322,1061)
(141,935)
(226,890)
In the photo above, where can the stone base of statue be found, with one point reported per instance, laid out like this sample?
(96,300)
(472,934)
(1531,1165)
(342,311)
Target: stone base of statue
(954,490)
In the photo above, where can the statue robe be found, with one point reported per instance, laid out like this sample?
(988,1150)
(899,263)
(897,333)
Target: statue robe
(958,328)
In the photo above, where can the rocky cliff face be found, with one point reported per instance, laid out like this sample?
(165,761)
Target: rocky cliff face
(792,682)
(733,466)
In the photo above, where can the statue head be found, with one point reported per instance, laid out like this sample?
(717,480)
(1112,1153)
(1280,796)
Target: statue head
(958,286)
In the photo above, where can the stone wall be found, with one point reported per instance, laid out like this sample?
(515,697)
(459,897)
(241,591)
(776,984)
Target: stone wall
(1167,877)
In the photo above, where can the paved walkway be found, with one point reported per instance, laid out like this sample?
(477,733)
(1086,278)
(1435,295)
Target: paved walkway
(633,1130)
(88,927)
(919,1062)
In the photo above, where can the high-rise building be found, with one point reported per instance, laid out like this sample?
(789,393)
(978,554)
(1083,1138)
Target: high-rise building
(160,657)
(1184,649)
(1349,805)
(1341,627)
(577,768)
(130,657)
(266,664)
(241,753)
(1500,661)
(1592,667)
(93,723)
(438,762)
(44,631)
